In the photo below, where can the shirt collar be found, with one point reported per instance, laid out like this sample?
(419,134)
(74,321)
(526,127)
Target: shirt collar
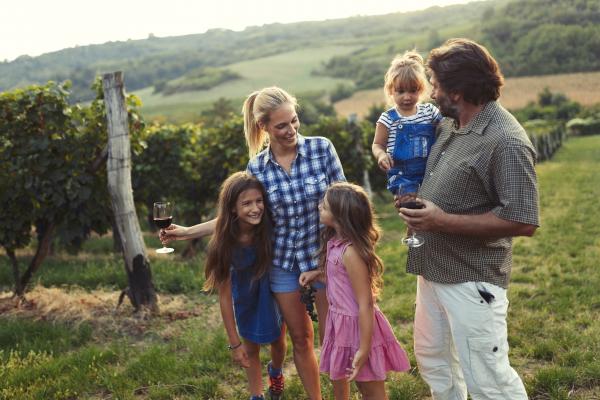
(301,148)
(337,242)
(479,121)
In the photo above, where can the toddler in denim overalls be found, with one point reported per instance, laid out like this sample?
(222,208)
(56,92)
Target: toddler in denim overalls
(405,133)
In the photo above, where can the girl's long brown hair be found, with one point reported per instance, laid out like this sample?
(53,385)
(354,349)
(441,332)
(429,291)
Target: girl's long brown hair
(354,215)
(226,235)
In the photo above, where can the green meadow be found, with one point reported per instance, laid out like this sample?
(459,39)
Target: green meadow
(70,342)
(291,70)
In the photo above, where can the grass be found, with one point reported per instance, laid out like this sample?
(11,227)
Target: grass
(291,71)
(69,342)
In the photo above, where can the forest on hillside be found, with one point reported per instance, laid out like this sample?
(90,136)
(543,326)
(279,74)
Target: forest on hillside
(528,38)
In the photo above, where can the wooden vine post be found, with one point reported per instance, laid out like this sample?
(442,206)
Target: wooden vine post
(140,291)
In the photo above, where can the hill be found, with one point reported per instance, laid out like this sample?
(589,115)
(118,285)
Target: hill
(528,38)
(517,92)
(289,70)
(152,61)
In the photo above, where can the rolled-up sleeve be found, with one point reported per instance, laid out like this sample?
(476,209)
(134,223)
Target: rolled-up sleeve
(515,181)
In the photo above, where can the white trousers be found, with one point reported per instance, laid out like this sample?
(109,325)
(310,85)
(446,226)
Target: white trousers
(461,342)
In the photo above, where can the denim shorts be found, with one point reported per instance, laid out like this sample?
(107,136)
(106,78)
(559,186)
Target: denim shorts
(284,281)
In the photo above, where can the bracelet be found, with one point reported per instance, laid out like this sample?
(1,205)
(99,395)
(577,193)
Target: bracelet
(230,347)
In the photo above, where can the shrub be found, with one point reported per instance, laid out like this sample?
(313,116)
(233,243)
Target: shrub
(583,126)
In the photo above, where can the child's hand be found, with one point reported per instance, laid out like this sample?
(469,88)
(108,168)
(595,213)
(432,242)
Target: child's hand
(307,277)
(384,161)
(240,357)
(360,357)
(172,232)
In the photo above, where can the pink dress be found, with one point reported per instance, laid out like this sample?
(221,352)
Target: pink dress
(342,335)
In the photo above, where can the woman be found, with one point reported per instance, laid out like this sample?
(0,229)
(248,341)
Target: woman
(296,172)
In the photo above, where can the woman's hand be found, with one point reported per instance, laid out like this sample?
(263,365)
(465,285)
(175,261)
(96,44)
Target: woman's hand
(360,357)
(307,277)
(240,357)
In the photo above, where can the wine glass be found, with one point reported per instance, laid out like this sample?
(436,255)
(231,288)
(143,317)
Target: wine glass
(406,193)
(163,217)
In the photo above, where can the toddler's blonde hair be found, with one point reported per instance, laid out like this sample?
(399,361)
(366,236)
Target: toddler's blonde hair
(406,71)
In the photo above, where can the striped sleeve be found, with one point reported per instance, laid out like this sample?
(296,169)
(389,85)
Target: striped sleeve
(385,120)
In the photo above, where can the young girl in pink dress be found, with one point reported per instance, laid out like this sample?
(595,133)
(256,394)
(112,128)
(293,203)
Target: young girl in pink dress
(359,343)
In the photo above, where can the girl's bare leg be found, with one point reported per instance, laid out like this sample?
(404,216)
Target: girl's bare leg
(254,372)
(278,349)
(322,307)
(373,390)
(341,389)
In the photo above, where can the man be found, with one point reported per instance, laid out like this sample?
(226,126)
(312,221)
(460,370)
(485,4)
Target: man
(479,191)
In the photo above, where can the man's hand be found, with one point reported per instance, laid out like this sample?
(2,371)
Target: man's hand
(427,219)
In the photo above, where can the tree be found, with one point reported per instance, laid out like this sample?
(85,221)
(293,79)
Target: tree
(43,183)
(51,172)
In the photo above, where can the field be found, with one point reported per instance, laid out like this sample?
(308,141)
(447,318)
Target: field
(69,342)
(583,88)
(291,71)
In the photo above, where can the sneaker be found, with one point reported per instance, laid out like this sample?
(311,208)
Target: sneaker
(276,385)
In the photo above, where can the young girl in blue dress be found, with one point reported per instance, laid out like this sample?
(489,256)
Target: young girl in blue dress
(405,133)
(237,265)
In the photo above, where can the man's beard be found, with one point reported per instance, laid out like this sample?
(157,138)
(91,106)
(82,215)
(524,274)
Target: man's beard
(447,107)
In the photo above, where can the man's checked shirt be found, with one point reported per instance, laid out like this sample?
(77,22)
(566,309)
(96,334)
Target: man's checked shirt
(486,166)
(293,198)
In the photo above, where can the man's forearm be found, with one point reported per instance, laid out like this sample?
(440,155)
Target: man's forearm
(486,225)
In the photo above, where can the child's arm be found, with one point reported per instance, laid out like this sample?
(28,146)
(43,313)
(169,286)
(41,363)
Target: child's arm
(379,146)
(307,277)
(361,284)
(177,232)
(238,353)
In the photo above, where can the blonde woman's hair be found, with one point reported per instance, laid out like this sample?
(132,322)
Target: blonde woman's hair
(406,71)
(353,212)
(257,109)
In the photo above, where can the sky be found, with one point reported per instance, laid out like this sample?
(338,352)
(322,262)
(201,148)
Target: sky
(34,27)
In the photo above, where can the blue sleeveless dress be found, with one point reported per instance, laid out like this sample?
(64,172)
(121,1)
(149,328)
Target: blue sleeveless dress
(256,313)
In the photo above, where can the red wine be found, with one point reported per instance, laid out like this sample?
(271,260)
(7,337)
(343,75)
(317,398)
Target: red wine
(413,205)
(163,223)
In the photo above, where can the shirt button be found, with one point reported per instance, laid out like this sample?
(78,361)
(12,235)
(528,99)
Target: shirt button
(443,152)
(431,173)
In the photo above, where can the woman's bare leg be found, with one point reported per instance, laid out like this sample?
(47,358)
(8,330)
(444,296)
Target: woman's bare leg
(301,331)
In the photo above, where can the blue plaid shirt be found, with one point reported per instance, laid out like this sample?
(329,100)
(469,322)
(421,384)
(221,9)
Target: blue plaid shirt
(294,198)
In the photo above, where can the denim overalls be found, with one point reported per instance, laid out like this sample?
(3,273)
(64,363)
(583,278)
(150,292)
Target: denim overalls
(411,149)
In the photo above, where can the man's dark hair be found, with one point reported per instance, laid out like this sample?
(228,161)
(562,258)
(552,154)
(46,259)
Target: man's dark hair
(465,67)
